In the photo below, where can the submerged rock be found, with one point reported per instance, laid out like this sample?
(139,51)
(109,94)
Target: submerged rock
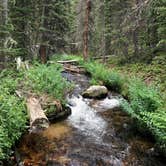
(106,104)
(95,91)
(109,104)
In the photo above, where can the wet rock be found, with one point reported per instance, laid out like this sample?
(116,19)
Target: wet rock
(71,102)
(95,91)
(52,117)
(112,161)
(109,104)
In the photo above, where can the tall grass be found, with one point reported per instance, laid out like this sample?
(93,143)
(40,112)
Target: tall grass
(40,79)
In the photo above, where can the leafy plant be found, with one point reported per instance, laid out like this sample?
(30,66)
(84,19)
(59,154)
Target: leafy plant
(47,79)
(12,116)
(143,98)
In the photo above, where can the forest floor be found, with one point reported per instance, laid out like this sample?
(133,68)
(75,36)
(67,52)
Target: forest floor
(152,74)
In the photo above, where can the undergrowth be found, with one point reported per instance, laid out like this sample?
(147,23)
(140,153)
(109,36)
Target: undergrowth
(39,79)
(47,79)
(12,114)
(100,75)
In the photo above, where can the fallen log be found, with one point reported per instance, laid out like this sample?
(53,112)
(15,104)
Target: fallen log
(68,61)
(38,120)
(101,57)
(74,70)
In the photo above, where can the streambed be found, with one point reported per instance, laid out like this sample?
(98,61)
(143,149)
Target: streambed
(95,134)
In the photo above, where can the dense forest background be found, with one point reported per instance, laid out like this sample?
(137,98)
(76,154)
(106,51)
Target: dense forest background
(128,31)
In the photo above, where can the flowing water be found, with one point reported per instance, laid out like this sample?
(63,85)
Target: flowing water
(96,134)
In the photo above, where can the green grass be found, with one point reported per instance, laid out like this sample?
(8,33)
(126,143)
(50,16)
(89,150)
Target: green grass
(147,106)
(153,73)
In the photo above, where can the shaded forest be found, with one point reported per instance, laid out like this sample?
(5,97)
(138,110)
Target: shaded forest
(131,30)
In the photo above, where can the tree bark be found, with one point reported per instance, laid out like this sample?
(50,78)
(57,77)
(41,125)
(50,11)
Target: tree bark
(135,42)
(3,23)
(43,55)
(86,29)
(5,11)
(38,120)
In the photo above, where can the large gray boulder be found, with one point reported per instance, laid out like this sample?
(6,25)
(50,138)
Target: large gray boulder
(95,91)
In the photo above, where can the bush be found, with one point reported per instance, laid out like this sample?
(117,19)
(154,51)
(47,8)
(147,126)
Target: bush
(12,116)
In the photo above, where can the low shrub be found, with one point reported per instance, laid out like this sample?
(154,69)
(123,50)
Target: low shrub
(12,115)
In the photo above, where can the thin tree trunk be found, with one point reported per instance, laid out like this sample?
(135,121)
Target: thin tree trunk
(103,39)
(43,56)
(135,42)
(3,23)
(42,49)
(5,11)
(86,29)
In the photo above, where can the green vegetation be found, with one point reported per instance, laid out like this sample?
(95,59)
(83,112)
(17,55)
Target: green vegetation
(146,102)
(12,114)
(153,73)
(47,79)
(40,79)
(99,73)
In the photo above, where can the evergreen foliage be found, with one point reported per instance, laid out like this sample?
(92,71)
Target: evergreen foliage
(34,23)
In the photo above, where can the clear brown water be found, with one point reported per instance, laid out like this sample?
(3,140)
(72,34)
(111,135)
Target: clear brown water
(94,135)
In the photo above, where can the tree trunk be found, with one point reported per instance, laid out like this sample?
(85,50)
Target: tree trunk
(3,23)
(5,11)
(86,29)
(135,42)
(43,55)
(38,120)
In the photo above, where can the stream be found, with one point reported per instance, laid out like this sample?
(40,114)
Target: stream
(95,134)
